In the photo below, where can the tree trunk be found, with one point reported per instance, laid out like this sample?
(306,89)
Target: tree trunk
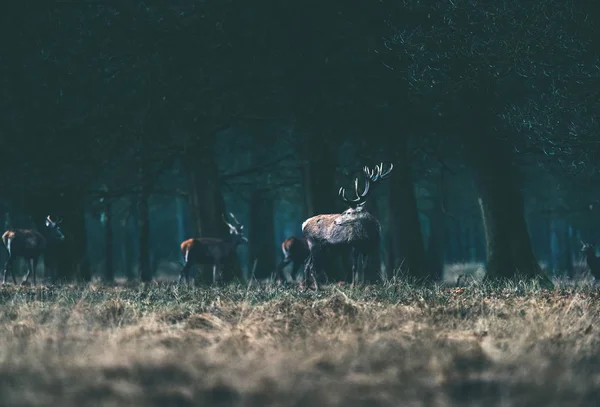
(262,234)
(144,235)
(373,273)
(179,209)
(568,251)
(407,238)
(509,251)
(435,247)
(131,241)
(319,168)
(109,266)
(207,205)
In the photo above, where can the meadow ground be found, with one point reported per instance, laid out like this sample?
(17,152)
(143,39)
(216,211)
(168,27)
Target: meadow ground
(391,345)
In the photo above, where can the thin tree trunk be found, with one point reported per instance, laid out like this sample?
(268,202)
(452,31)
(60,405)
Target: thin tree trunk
(550,242)
(407,237)
(131,242)
(144,235)
(179,210)
(109,266)
(435,247)
(373,273)
(568,251)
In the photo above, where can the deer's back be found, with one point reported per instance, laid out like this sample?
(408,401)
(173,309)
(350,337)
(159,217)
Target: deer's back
(24,241)
(204,249)
(364,229)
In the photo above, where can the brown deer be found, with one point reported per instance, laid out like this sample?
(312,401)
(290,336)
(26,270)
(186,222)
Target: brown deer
(30,245)
(295,251)
(212,251)
(593,262)
(355,228)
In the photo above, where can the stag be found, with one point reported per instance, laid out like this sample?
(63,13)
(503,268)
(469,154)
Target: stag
(211,251)
(30,245)
(593,262)
(295,252)
(355,228)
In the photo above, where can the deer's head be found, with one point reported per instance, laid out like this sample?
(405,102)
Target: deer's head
(53,230)
(236,231)
(357,209)
(587,249)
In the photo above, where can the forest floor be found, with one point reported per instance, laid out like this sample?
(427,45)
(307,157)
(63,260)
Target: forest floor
(162,345)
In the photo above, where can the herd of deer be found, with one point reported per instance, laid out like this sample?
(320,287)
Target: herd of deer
(355,229)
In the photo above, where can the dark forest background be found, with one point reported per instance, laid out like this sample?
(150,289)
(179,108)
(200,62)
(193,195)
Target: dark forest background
(140,124)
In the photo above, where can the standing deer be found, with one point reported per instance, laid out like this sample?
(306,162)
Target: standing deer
(355,228)
(593,262)
(212,251)
(295,251)
(30,245)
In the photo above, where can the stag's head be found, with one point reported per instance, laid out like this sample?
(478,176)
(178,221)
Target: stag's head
(357,209)
(53,229)
(587,249)
(236,231)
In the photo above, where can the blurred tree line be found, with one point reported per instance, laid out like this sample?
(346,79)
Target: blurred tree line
(141,124)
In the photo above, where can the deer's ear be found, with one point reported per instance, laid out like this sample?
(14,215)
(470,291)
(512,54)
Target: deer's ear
(47,222)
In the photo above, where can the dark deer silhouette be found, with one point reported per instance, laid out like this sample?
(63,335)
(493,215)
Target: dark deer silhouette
(30,245)
(211,251)
(355,228)
(295,251)
(593,262)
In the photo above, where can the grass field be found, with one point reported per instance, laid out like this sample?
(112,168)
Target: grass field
(392,345)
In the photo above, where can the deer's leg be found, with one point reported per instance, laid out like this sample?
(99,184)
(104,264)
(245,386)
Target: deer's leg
(312,265)
(185,273)
(215,266)
(307,270)
(355,258)
(280,273)
(8,265)
(364,265)
(26,278)
(34,267)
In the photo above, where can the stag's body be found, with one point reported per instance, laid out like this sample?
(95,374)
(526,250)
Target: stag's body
(295,251)
(211,251)
(354,228)
(30,245)
(593,262)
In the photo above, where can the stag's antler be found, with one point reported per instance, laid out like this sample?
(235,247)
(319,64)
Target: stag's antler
(227,223)
(377,174)
(57,222)
(234,218)
(361,198)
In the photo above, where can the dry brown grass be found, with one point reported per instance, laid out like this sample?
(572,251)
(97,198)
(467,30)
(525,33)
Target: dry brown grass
(392,345)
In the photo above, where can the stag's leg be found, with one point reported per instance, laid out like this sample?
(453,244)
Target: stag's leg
(185,273)
(215,267)
(8,265)
(26,278)
(280,269)
(355,265)
(34,267)
(310,268)
(363,268)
